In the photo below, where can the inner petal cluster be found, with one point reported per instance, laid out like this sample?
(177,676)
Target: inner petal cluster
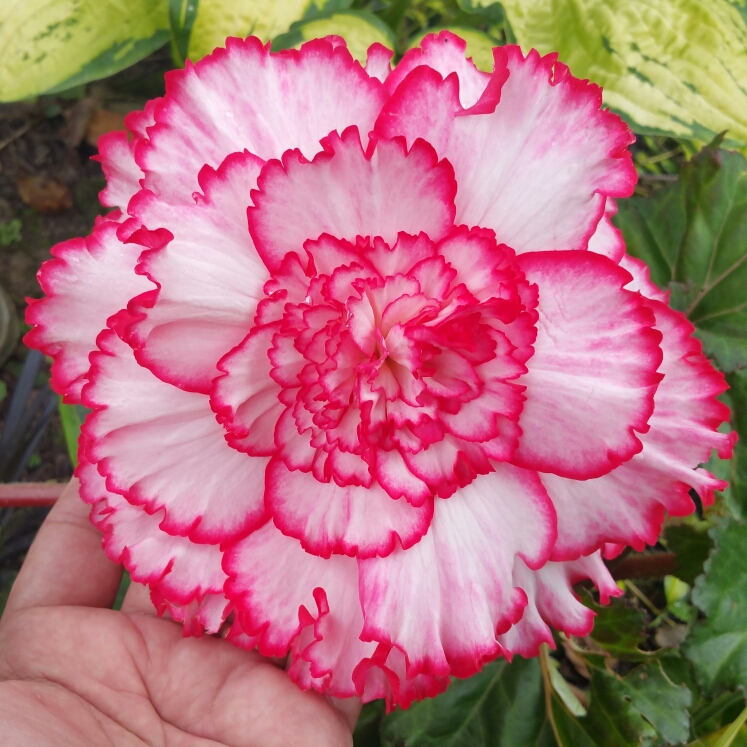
(391,363)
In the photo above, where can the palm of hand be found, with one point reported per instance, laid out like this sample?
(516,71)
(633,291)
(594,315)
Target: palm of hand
(74,673)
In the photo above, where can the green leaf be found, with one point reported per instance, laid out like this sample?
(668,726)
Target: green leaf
(739,739)
(618,628)
(489,9)
(691,234)
(717,646)
(72,417)
(737,490)
(674,67)
(660,701)
(623,712)
(266,19)
(9,326)
(733,471)
(691,543)
(563,689)
(366,732)
(3,390)
(736,494)
(182,15)
(52,45)
(360,31)
(738,395)
(10,232)
(731,733)
(502,706)
(709,716)
(479,45)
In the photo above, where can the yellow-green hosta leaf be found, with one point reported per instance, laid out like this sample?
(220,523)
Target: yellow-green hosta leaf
(675,67)
(51,45)
(218,19)
(359,30)
(479,45)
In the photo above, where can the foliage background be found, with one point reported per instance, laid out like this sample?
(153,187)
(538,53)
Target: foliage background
(667,663)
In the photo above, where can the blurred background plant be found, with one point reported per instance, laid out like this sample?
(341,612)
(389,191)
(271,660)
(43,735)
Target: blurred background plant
(667,663)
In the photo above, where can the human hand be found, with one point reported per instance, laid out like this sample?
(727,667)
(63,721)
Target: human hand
(75,672)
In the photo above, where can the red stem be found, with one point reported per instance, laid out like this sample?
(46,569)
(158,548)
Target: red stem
(24,494)
(646,565)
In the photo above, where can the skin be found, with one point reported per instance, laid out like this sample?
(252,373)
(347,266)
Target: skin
(75,672)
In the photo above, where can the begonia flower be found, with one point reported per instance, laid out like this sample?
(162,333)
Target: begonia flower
(373,380)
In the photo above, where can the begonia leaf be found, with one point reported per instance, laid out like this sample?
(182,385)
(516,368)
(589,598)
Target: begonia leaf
(502,706)
(367,728)
(645,707)
(52,45)
(734,472)
(737,499)
(691,234)
(618,627)
(691,544)
(717,645)
(737,502)
(660,701)
(479,45)
(360,31)
(676,67)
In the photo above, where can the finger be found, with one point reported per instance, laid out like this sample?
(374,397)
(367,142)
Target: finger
(137,601)
(66,564)
(350,708)
(213,690)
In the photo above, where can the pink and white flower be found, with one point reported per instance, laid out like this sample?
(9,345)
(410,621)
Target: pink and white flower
(373,379)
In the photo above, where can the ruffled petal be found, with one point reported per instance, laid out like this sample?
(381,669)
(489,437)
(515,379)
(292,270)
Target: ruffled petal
(445,53)
(271,577)
(139,121)
(327,650)
(548,156)
(295,98)
(592,378)
(184,577)
(379,61)
(641,281)
(117,157)
(208,287)
(161,448)
(351,520)
(608,240)
(89,281)
(628,505)
(551,602)
(384,675)
(444,600)
(348,192)
(122,174)
(246,401)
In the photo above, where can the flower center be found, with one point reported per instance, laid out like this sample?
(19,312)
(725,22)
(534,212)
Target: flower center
(399,354)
